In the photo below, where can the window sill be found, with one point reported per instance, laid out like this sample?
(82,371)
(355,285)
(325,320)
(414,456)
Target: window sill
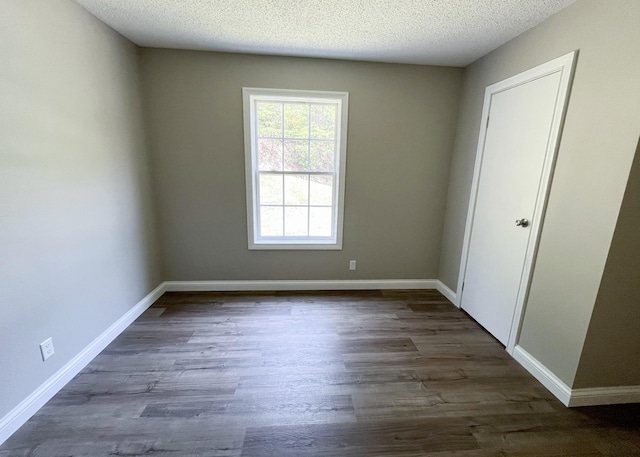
(262,246)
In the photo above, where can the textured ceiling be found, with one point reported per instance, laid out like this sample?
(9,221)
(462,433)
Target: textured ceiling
(435,32)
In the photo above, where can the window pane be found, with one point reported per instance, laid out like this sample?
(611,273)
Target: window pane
(322,154)
(271,221)
(295,221)
(321,190)
(296,155)
(271,190)
(296,120)
(320,221)
(296,189)
(270,155)
(269,119)
(323,121)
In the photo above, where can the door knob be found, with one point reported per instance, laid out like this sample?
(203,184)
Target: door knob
(522,222)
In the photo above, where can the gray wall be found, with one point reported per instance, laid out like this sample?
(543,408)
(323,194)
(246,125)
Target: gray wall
(401,127)
(76,238)
(612,345)
(594,160)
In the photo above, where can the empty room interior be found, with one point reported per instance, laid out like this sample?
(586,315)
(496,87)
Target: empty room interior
(336,228)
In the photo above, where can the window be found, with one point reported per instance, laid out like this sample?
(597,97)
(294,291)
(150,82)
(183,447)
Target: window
(295,152)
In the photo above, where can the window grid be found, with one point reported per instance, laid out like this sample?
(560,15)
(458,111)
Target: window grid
(294,138)
(285,212)
(307,173)
(285,205)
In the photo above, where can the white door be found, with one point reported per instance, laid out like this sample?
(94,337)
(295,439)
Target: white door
(521,124)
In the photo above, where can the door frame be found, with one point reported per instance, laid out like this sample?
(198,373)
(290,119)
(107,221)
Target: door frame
(565,65)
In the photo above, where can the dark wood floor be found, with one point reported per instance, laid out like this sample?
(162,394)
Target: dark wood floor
(375,373)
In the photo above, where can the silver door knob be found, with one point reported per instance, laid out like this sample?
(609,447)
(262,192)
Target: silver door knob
(522,222)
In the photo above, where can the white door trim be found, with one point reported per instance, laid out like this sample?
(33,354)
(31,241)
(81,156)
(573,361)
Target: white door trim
(565,65)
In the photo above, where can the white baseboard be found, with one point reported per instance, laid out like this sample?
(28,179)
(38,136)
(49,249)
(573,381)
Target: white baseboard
(30,405)
(543,374)
(575,397)
(356,284)
(605,396)
(450,294)
(36,400)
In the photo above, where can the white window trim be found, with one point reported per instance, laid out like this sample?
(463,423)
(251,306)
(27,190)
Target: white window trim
(249,95)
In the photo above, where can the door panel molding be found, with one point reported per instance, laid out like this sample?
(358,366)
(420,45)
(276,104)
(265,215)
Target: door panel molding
(565,65)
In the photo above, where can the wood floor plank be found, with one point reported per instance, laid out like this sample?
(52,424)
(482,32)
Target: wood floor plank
(398,438)
(337,373)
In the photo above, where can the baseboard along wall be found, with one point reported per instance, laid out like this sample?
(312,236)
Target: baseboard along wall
(450,294)
(575,397)
(358,284)
(11,422)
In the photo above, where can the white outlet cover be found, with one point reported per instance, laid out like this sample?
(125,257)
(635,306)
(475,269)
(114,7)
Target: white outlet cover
(46,349)
(352,265)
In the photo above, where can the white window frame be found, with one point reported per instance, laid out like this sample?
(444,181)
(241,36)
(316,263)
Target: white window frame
(250,97)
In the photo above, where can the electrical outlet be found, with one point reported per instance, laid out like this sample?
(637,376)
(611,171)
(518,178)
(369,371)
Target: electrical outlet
(352,264)
(46,349)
